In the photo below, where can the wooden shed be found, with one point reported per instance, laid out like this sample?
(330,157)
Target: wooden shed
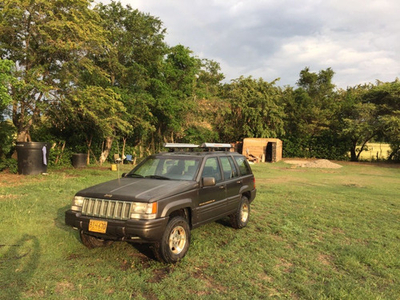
(262,149)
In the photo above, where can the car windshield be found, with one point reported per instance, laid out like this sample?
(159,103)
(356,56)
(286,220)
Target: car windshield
(175,168)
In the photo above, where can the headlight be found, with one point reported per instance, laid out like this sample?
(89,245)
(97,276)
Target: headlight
(146,211)
(77,203)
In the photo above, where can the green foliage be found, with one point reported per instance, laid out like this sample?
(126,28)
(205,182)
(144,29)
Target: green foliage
(48,41)
(5,80)
(7,134)
(9,164)
(85,77)
(199,135)
(311,125)
(371,112)
(255,110)
(387,98)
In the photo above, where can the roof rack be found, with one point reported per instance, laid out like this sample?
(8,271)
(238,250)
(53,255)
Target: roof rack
(214,146)
(206,146)
(173,146)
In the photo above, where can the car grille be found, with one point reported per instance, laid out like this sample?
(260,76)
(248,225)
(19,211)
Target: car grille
(110,209)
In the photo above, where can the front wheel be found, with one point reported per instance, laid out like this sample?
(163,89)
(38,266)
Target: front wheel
(175,241)
(241,217)
(93,242)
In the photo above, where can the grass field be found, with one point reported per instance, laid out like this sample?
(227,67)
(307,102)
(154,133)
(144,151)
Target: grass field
(375,151)
(313,234)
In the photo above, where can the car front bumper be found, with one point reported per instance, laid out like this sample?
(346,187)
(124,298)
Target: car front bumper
(128,230)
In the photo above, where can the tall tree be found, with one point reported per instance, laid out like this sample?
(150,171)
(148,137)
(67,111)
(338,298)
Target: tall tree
(174,93)
(255,110)
(49,42)
(5,81)
(132,61)
(311,111)
(201,120)
(6,129)
(386,96)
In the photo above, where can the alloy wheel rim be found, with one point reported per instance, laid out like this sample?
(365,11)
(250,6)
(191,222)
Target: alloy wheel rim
(244,213)
(177,240)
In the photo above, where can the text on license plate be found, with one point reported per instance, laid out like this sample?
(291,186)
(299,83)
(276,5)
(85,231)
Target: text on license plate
(98,226)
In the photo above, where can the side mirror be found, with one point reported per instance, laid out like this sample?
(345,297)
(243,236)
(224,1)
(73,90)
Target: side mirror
(123,175)
(208,181)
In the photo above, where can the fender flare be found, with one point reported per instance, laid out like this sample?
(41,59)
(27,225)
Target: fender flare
(176,205)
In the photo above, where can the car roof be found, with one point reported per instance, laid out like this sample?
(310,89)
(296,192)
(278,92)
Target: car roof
(197,153)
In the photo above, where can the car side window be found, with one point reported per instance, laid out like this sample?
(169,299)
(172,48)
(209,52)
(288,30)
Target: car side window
(243,165)
(212,169)
(228,167)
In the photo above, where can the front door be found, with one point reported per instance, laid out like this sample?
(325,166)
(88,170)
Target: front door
(211,202)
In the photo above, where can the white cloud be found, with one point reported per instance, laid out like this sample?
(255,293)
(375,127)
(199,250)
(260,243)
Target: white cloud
(358,39)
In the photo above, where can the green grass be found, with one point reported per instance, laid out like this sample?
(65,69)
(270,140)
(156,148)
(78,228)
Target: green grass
(313,234)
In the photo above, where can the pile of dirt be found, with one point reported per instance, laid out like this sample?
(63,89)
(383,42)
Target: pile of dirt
(319,163)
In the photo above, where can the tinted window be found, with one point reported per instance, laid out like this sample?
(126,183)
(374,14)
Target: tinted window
(228,167)
(243,165)
(212,169)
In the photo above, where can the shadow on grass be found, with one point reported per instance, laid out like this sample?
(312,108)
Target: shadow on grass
(145,253)
(17,266)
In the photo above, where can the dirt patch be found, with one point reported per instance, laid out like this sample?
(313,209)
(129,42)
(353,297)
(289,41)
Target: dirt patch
(319,163)
(10,180)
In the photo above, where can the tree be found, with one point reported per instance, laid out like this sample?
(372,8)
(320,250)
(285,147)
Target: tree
(5,81)
(132,61)
(201,121)
(6,129)
(49,42)
(386,96)
(371,112)
(392,133)
(360,126)
(254,110)
(311,125)
(174,93)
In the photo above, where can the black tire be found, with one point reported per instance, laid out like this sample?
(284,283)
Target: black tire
(93,242)
(241,217)
(175,241)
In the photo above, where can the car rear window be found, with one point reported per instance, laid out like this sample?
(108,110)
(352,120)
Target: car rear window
(229,168)
(243,165)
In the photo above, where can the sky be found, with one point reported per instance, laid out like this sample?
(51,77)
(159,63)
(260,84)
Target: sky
(269,39)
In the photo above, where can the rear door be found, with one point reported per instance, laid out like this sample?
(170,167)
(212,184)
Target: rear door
(232,182)
(246,175)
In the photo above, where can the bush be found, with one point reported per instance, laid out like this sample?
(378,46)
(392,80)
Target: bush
(9,164)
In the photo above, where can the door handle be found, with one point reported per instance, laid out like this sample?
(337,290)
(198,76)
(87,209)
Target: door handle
(239,181)
(221,187)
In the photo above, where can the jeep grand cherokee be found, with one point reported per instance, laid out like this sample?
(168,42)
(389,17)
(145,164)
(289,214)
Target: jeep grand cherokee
(166,196)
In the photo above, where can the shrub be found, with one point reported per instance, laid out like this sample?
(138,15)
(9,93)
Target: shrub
(9,164)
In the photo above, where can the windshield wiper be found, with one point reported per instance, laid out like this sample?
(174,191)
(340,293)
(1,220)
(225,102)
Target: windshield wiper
(157,177)
(134,175)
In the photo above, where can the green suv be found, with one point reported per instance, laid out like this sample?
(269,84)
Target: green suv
(166,196)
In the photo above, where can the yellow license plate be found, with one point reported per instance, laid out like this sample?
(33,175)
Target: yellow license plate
(98,226)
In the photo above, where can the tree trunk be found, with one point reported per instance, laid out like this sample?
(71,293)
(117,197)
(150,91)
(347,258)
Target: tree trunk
(123,147)
(23,136)
(106,150)
(353,153)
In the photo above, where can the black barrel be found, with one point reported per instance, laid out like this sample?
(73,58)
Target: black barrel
(33,157)
(79,160)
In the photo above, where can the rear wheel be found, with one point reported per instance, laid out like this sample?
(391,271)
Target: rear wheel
(241,217)
(175,241)
(93,242)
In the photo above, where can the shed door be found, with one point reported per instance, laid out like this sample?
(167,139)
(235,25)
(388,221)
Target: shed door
(270,155)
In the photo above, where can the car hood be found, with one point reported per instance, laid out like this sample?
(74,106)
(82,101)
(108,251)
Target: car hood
(137,189)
